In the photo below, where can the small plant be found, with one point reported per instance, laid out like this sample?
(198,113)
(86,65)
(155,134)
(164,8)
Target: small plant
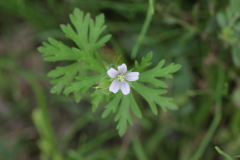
(87,71)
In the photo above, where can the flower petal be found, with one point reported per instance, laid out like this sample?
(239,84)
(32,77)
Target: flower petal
(132,76)
(112,73)
(115,86)
(122,68)
(125,88)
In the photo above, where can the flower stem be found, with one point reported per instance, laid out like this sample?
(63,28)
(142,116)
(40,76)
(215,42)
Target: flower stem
(145,27)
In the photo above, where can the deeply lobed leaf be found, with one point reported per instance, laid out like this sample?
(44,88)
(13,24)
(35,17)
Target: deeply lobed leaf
(123,113)
(77,78)
(82,85)
(144,63)
(151,75)
(57,51)
(154,96)
(86,34)
(66,75)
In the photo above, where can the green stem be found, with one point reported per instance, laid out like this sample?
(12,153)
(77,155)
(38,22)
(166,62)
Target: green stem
(217,118)
(223,153)
(210,132)
(145,27)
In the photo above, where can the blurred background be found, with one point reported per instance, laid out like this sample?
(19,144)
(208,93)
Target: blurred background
(201,35)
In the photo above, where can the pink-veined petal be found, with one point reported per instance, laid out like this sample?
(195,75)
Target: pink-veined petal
(132,76)
(115,86)
(122,68)
(112,73)
(125,88)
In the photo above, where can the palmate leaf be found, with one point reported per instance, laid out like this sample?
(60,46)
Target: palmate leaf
(153,97)
(87,35)
(151,76)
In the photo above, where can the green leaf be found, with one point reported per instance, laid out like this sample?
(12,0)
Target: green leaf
(78,96)
(82,84)
(87,34)
(134,106)
(98,98)
(144,63)
(112,105)
(153,97)
(66,74)
(223,153)
(151,75)
(123,116)
(91,62)
(57,51)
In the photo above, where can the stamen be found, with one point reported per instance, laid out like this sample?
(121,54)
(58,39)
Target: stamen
(121,77)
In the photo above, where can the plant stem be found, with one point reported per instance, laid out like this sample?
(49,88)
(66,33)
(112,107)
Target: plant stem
(215,122)
(210,132)
(145,27)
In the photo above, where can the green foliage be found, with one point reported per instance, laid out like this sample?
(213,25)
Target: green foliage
(151,76)
(123,114)
(152,96)
(202,36)
(87,34)
(81,85)
(98,98)
(76,77)
(144,63)
(87,37)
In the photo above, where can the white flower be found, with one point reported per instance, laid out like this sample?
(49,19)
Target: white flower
(121,78)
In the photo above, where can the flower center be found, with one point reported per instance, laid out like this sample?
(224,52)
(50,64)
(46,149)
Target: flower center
(121,77)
